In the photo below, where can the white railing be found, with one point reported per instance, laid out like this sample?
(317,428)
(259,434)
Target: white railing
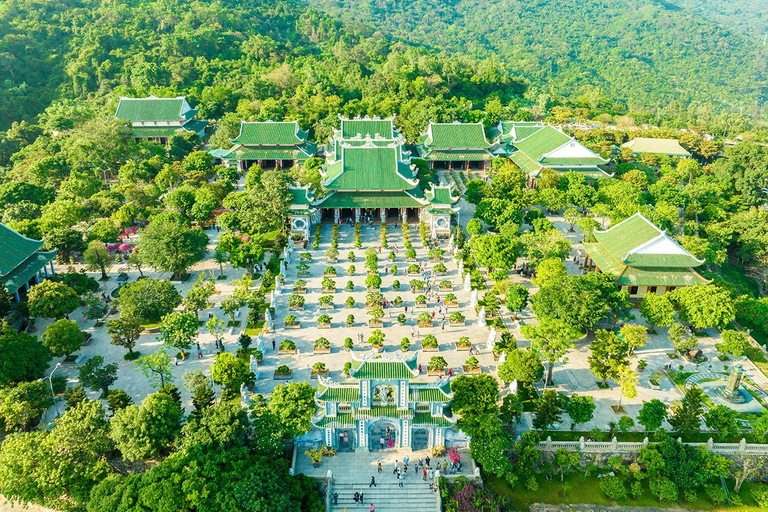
(614,446)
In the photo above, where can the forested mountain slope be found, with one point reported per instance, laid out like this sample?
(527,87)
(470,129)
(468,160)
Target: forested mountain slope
(257,59)
(645,52)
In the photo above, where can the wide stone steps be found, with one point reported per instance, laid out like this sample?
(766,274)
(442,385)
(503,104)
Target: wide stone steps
(414,496)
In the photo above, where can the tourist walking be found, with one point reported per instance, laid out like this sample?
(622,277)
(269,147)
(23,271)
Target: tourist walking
(381,442)
(371,508)
(394,471)
(335,498)
(356,497)
(373,482)
(361,499)
(399,480)
(378,466)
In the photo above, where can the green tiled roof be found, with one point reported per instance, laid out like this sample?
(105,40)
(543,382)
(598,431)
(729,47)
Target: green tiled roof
(440,195)
(240,152)
(588,171)
(519,130)
(603,259)
(370,200)
(369,168)
(596,160)
(343,420)
(456,136)
(658,146)
(527,165)
(15,248)
(419,394)
(367,127)
(424,419)
(634,232)
(195,125)
(440,211)
(660,276)
(26,270)
(270,133)
(383,370)
(150,109)
(338,393)
(455,156)
(542,142)
(300,196)
(155,131)
(384,411)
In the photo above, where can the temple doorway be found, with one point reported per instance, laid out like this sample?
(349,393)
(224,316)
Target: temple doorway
(383,429)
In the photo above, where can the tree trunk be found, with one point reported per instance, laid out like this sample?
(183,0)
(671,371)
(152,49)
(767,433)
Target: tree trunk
(104,275)
(549,374)
(221,269)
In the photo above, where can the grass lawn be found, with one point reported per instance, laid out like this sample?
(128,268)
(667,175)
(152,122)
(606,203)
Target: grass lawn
(581,489)
(254,331)
(679,378)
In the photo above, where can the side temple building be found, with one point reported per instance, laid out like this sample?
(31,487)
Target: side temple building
(22,263)
(158,119)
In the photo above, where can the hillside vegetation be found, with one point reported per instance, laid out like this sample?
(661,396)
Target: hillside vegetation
(647,53)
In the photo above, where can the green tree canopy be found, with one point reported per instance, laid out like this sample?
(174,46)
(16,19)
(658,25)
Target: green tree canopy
(169,244)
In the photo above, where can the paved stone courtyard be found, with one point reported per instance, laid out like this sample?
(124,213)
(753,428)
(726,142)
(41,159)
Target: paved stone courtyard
(573,376)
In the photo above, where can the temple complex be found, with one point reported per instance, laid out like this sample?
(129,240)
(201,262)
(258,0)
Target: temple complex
(269,145)
(158,119)
(22,263)
(642,258)
(384,403)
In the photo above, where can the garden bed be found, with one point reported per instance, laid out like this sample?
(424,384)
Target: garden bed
(462,348)
(322,373)
(323,326)
(287,352)
(296,325)
(461,324)
(471,369)
(436,373)
(430,324)
(283,376)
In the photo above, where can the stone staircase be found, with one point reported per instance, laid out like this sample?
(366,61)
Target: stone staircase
(414,496)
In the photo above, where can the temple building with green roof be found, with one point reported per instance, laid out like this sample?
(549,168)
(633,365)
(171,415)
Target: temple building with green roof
(158,119)
(369,175)
(535,148)
(384,401)
(644,145)
(458,146)
(22,263)
(642,258)
(269,145)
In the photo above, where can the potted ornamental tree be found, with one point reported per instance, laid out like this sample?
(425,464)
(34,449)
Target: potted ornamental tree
(410,254)
(436,254)
(326,302)
(374,300)
(446,284)
(300,286)
(350,322)
(451,300)
(440,269)
(302,269)
(396,285)
(464,345)
(330,271)
(296,302)
(350,286)
(324,322)
(376,339)
(283,372)
(401,319)
(305,256)
(291,322)
(377,317)
(351,270)
(398,301)
(421,301)
(318,368)
(351,256)
(436,366)
(429,343)
(405,344)
(373,282)
(417,285)
(414,269)
(393,270)
(348,344)
(328,285)
(472,365)
(425,319)
(331,255)
(456,318)
(322,346)
(350,302)
(287,347)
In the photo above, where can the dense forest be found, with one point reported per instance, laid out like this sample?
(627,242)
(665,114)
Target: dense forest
(644,53)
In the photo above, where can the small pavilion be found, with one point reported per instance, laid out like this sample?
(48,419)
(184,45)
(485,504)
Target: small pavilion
(642,258)
(461,146)
(547,147)
(158,119)
(268,144)
(22,263)
(644,145)
(384,402)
